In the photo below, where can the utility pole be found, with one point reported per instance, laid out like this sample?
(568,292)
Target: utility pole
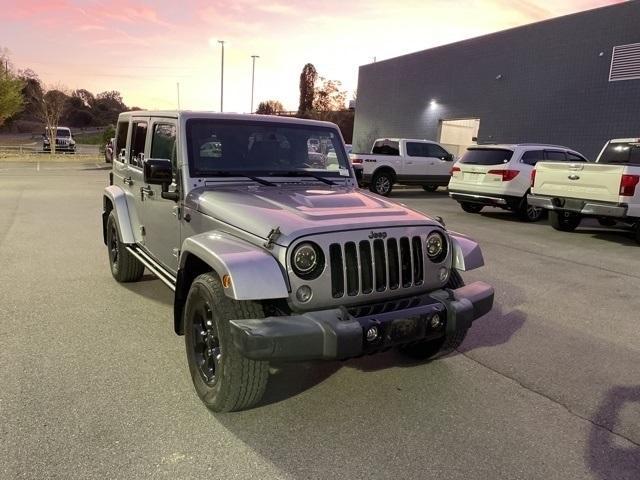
(221,42)
(253,76)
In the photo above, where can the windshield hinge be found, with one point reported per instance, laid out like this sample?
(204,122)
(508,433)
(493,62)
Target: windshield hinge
(272,237)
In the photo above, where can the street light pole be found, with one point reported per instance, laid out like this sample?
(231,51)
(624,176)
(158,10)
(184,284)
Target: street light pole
(253,76)
(221,42)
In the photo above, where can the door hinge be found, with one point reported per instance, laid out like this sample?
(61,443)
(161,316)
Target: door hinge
(176,211)
(143,232)
(176,252)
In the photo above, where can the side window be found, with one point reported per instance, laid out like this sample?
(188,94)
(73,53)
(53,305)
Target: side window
(121,138)
(532,157)
(163,143)
(555,156)
(573,157)
(138,139)
(436,151)
(386,147)
(415,149)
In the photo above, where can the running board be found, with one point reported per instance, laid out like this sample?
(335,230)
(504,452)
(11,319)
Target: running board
(164,276)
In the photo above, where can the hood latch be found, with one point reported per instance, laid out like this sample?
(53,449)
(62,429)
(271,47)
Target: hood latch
(274,234)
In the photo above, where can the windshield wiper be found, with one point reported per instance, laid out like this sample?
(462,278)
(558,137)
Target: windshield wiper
(261,181)
(301,173)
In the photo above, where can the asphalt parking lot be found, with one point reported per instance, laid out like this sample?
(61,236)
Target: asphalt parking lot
(94,384)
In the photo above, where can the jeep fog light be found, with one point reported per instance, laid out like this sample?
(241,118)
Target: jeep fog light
(303,294)
(443,274)
(372,333)
(435,321)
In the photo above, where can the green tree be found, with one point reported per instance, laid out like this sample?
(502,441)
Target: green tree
(51,109)
(329,96)
(11,99)
(308,79)
(270,107)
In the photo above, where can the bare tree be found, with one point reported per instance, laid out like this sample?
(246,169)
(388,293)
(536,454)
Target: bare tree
(329,96)
(51,108)
(269,107)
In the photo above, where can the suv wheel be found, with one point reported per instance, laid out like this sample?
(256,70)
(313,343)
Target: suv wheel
(529,213)
(430,188)
(564,221)
(441,346)
(471,207)
(224,380)
(124,266)
(382,183)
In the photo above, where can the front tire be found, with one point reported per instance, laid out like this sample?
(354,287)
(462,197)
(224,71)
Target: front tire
(124,266)
(382,183)
(471,207)
(564,221)
(529,213)
(432,349)
(224,380)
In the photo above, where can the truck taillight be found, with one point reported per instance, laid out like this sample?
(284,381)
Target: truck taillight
(455,170)
(533,178)
(628,185)
(357,161)
(507,175)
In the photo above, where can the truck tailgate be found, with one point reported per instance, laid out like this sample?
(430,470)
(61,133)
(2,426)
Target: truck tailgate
(587,181)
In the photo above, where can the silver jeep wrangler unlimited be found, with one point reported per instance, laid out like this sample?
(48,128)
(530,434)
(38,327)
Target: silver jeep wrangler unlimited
(256,223)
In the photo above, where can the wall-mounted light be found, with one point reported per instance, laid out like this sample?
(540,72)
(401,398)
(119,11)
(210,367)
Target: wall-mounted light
(499,76)
(433,103)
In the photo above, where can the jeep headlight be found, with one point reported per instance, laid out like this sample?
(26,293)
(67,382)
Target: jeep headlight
(307,260)
(436,247)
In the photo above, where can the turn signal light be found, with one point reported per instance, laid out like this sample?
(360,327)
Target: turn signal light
(628,185)
(507,175)
(533,178)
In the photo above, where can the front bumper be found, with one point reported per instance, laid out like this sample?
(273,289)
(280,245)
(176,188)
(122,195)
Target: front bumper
(341,333)
(583,207)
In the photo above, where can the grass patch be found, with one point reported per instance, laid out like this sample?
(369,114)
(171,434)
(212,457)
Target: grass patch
(95,138)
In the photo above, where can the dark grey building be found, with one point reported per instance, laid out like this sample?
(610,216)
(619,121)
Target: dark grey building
(573,80)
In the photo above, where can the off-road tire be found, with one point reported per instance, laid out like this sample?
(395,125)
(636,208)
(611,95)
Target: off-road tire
(471,207)
(238,383)
(439,347)
(564,221)
(529,213)
(382,183)
(430,188)
(124,266)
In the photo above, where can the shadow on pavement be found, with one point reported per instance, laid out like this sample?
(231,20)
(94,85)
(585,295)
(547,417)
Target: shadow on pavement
(495,328)
(623,237)
(150,287)
(608,455)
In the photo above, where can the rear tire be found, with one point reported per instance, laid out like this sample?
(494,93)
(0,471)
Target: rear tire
(124,266)
(564,221)
(529,213)
(439,347)
(224,380)
(430,188)
(382,183)
(471,207)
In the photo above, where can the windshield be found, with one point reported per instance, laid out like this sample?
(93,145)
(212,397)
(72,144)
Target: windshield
(487,156)
(621,152)
(63,132)
(222,147)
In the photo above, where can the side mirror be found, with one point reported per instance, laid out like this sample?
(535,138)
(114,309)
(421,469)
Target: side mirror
(158,172)
(449,157)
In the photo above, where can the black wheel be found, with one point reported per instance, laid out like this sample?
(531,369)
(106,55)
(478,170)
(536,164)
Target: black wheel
(224,380)
(564,221)
(471,207)
(529,213)
(636,231)
(124,266)
(382,183)
(430,188)
(442,346)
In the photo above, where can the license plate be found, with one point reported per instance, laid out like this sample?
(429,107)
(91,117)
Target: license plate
(473,177)
(405,328)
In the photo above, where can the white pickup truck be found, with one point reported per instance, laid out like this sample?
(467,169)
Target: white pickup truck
(404,161)
(607,190)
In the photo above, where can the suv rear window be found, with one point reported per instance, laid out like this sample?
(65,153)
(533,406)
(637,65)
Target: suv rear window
(621,152)
(487,156)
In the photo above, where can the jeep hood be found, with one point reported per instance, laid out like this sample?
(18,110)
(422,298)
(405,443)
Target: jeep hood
(301,209)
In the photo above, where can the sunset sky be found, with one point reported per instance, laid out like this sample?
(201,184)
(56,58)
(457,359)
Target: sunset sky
(143,48)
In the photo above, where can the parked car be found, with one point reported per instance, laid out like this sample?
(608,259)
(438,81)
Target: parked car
(500,176)
(607,190)
(63,140)
(271,259)
(404,161)
(108,150)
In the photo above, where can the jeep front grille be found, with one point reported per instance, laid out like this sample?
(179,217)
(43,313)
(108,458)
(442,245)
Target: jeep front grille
(360,268)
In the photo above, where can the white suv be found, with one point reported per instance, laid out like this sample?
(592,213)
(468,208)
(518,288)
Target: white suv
(500,176)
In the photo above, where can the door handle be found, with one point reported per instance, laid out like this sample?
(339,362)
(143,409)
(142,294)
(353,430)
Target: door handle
(145,191)
(127,181)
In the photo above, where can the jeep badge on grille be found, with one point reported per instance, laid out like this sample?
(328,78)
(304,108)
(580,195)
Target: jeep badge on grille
(381,235)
